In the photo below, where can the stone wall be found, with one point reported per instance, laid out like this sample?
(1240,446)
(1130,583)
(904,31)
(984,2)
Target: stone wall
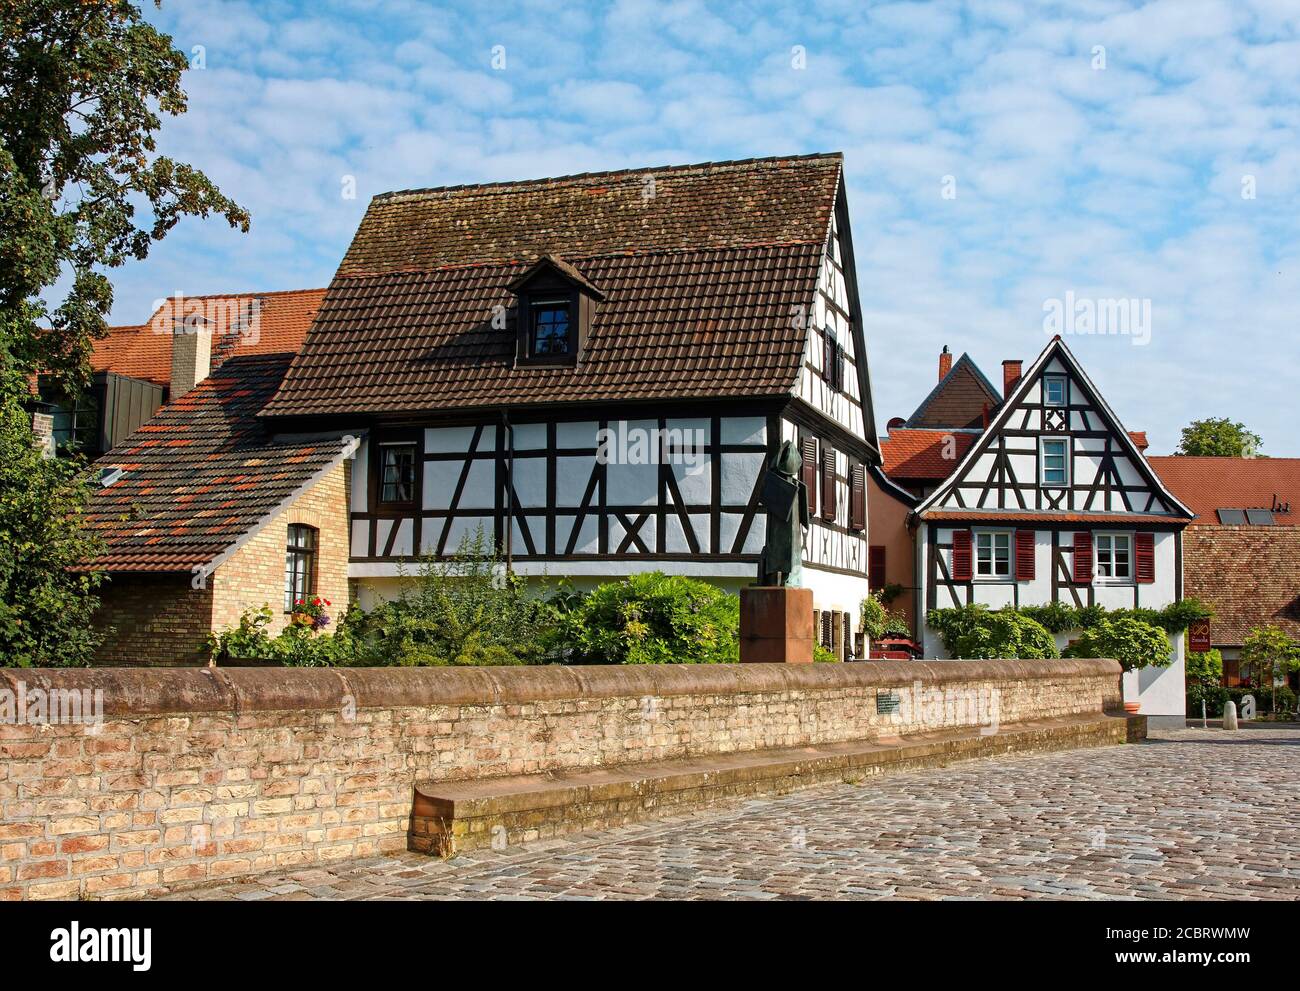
(198,774)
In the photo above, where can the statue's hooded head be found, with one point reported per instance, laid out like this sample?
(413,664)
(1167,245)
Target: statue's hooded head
(788,461)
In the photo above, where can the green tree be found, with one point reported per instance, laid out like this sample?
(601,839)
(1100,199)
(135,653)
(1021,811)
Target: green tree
(1219,438)
(45,604)
(978,632)
(1270,654)
(82,190)
(1132,642)
(1205,666)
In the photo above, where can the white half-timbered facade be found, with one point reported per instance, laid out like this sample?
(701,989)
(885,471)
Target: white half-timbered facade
(599,390)
(1055,503)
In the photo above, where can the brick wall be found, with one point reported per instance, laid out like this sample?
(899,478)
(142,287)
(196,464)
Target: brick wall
(198,774)
(163,620)
(154,620)
(254,575)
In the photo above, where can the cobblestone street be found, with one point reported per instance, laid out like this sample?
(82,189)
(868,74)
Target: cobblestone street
(1189,814)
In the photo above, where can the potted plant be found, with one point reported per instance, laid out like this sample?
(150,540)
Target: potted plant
(1133,643)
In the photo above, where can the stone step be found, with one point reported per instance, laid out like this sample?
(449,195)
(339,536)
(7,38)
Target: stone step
(453,816)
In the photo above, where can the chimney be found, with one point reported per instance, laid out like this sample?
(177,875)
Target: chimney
(945,362)
(191,357)
(1010,376)
(43,434)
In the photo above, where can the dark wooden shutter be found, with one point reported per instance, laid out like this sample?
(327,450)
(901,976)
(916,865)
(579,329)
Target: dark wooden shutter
(858,498)
(839,368)
(1144,557)
(828,483)
(876,568)
(827,620)
(1082,557)
(1024,555)
(809,471)
(828,357)
(961,563)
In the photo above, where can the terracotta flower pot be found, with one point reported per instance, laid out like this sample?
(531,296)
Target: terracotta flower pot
(1132,707)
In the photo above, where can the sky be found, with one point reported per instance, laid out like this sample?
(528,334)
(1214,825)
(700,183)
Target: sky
(1011,166)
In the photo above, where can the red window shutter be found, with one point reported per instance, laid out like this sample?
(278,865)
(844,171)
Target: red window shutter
(1024,555)
(961,563)
(828,484)
(858,499)
(809,455)
(1144,557)
(1082,557)
(876,568)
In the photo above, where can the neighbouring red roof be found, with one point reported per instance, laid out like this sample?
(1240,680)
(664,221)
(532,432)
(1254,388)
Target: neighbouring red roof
(1206,485)
(920,454)
(145,351)
(1249,575)
(701,266)
(202,473)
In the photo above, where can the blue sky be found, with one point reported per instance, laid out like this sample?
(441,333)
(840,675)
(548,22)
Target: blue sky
(1099,147)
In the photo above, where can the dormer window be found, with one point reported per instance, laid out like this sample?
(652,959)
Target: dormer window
(551,322)
(556,304)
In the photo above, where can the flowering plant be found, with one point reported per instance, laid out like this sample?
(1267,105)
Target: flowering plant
(310,613)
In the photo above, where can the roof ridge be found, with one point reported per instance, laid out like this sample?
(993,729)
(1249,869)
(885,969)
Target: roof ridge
(575,259)
(575,178)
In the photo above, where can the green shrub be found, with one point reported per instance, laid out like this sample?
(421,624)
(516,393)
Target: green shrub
(650,618)
(1205,666)
(295,646)
(1133,643)
(978,632)
(824,655)
(877,620)
(466,610)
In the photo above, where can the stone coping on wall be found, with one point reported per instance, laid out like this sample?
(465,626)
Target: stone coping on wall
(152,691)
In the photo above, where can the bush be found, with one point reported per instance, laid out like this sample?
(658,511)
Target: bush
(650,618)
(877,619)
(1213,695)
(1133,643)
(463,611)
(977,632)
(295,646)
(1206,666)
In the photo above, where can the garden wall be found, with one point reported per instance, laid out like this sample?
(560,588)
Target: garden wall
(199,774)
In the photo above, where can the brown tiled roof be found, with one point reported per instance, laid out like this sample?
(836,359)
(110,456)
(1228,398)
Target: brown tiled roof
(202,473)
(700,280)
(145,351)
(1209,484)
(918,454)
(1249,575)
(960,399)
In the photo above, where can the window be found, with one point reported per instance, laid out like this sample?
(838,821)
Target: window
(1259,517)
(397,472)
(1055,390)
(299,564)
(993,554)
(832,360)
(1114,553)
(550,332)
(1054,462)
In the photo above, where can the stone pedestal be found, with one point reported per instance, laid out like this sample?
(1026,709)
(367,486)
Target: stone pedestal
(776,625)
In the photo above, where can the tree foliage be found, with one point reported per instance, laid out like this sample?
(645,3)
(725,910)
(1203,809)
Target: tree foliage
(1132,642)
(978,632)
(1219,438)
(1270,653)
(45,605)
(82,85)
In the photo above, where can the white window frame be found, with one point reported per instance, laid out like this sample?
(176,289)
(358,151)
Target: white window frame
(1110,536)
(1065,390)
(991,536)
(1042,462)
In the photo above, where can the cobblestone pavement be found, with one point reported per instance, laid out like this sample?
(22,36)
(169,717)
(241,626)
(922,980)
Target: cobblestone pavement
(1191,814)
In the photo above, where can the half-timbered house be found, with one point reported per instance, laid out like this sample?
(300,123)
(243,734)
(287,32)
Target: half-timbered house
(1035,496)
(593,370)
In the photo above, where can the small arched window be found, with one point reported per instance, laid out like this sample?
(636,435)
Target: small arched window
(299,564)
